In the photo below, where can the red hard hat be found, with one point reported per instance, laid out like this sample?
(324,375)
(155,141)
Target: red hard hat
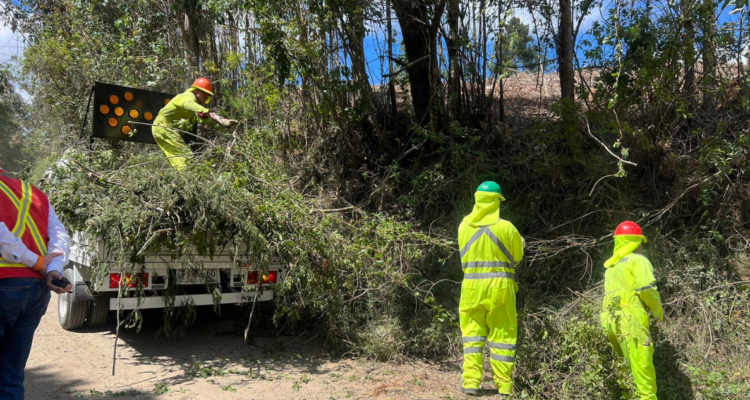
(629,228)
(203,84)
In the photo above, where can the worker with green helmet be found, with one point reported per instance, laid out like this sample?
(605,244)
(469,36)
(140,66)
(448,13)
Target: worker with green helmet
(491,248)
(630,288)
(183,112)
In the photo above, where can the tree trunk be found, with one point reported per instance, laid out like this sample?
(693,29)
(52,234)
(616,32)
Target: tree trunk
(688,50)
(414,21)
(483,52)
(190,27)
(500,59)
(391,86)
(354,28)
(454,70)
(437,104)
(565,50)
(709,57)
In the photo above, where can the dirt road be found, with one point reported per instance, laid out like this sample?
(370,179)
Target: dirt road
(213,363)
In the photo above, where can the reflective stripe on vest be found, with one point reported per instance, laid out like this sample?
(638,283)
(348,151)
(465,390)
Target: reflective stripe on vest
(485,264)
(23,221)
(22,205)
(490,275)
(485,230)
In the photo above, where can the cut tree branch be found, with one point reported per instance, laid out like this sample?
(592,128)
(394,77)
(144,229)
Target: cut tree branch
(411,64)
(588,128)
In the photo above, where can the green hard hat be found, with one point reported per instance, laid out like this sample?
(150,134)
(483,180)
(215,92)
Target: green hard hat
(491,187)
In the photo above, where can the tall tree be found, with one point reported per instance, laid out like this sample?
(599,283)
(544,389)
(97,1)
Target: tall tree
(11,111)
(391,86)
(454,66)
(708,43)
(688,47)
(192,28)
(519,52)
(419,30)
(565,50)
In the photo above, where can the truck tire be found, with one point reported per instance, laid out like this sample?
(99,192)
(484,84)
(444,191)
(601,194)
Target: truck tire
(71,313)
(98,312)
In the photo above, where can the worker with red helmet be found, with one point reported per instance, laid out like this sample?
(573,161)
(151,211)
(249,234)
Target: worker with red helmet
(630,288)
(182,113)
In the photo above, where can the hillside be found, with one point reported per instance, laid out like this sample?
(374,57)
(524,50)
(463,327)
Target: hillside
(360,189)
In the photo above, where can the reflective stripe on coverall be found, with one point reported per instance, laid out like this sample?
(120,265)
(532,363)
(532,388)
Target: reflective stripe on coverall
(180,112)
(630,286)
(490,249)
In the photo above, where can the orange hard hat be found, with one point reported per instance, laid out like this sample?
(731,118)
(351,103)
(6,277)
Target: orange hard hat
(629,228)
(203,84)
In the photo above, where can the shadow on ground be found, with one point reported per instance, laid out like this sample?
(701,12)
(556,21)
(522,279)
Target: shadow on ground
(214,346)
(42,384)
(671,382)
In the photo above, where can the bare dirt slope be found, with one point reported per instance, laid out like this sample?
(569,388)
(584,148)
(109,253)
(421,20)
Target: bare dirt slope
(213,363)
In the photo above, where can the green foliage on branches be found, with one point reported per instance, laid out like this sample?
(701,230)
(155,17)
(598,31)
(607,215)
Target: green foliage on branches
(652,137)
(345,269)
(13,155)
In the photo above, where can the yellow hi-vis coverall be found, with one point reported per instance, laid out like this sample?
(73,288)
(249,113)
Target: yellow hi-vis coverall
(631,287)
(180,112)
(490,249)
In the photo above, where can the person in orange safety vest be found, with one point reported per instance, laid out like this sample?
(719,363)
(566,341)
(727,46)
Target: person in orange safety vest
(34,248)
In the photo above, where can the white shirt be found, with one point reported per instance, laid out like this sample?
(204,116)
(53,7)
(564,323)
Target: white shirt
(13,249)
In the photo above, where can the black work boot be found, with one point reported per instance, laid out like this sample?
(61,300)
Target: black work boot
(470,391)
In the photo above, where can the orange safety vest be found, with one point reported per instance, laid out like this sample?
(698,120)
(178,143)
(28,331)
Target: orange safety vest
(25,211)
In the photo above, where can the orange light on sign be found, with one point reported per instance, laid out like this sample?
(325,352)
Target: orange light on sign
(104,109)
(134,114)
(114,99)
(167,101)
(119,111)
(126,130)
(128,96)
(148,116)
(112,122)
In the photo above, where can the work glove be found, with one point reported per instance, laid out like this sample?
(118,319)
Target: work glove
(226,123)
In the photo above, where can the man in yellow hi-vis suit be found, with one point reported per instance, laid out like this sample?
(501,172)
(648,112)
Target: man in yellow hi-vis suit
(630,287)
(490,249)
(183,112)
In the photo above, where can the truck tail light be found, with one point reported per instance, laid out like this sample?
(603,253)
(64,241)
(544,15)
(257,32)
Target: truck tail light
(254,277)
(130,280)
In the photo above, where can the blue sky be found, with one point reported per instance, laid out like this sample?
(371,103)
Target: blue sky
(12,44)
(376,63)
(376,39)
(11,49)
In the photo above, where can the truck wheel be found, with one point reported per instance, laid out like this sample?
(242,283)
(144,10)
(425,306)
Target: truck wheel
(98,312)
(70,313)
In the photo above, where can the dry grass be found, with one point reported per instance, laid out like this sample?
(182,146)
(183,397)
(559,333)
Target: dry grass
(526,93)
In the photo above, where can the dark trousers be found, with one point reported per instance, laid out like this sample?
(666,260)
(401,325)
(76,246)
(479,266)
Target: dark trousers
(23,301)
